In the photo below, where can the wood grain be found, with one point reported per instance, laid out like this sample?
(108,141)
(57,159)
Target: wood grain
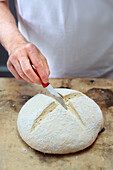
(16,155)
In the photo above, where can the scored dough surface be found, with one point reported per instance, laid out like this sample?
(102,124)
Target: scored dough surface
(47,127)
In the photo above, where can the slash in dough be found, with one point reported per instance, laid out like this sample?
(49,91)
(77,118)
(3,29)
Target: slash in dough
(47,127)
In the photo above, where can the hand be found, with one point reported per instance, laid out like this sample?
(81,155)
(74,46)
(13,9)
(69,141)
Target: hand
(19,63)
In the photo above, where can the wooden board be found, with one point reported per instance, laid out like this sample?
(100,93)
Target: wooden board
(16,155)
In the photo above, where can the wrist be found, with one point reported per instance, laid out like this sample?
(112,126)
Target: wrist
(15,41)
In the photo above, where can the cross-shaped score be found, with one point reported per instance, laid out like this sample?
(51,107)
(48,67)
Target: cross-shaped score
(53,106)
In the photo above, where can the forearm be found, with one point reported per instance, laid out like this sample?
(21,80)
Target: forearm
(21,52)
(9,33)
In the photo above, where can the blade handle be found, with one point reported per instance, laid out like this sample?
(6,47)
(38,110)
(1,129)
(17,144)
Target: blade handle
(45,85)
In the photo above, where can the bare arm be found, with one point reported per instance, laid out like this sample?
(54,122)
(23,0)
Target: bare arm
(9,32)
(21,52)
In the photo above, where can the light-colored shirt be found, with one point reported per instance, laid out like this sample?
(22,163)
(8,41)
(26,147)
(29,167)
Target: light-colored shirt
(75,36)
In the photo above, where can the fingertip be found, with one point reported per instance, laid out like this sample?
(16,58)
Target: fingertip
(45,81)
(38,82)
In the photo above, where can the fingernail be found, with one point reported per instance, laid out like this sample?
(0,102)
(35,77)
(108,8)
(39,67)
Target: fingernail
(46,81)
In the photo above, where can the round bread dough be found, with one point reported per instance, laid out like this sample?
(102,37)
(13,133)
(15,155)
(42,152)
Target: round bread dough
(47,127)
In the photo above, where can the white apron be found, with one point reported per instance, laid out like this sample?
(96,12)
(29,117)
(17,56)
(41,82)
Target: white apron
(76,36)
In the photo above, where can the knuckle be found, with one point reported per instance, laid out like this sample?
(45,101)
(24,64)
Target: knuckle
(30,46)
(27,70)
(44,77)
(15,52)
(12,57)
(38,65)
(21,74)
(18,52)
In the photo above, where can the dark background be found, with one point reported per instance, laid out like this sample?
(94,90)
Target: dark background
(3,53)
